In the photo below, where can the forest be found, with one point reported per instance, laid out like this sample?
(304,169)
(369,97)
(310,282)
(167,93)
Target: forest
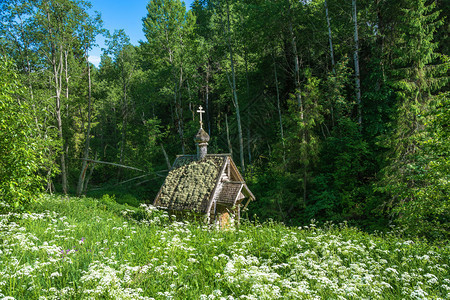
(333,110)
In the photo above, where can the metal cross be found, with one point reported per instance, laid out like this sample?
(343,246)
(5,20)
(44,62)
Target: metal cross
(201,111)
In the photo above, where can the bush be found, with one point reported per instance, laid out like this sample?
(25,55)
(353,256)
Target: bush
(21,151)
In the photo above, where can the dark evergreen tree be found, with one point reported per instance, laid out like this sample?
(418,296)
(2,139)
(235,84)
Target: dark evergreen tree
(418,74)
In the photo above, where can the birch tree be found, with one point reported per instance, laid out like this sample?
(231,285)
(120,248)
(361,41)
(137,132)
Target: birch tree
(356,62)
(57,24)
(89,31)
(330,40)
(233,88)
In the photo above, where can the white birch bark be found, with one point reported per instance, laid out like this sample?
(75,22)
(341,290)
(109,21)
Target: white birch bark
(81,179)
(356,61)
(235,97)
(329,35)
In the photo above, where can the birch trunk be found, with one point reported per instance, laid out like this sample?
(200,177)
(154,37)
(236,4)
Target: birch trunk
(248,112)
(66,71)
(124,124)
(177,98)
(329,36)
(279,107)
(249,152)
(235,97)
(298,95)
(298,92)
(230,148)
(331,55)
(180,109)
(88,178)
(207,100)
(248,142)
(56,63)
(60,132)
(166,157)
(80,185)
(356,60)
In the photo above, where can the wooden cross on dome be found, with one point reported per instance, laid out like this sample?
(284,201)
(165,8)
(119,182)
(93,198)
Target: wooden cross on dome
(201,111)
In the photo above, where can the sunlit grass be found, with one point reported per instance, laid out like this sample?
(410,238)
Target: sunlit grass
(85,248)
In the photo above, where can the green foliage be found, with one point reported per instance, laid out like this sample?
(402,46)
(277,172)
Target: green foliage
(425,208)
(22,151)
(335,99)
(169,60)
(341,189)
(108,199)
(278,196)
(127,194)
(295,127)
(415,179)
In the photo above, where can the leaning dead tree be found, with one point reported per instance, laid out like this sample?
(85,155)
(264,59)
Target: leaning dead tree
(94,161)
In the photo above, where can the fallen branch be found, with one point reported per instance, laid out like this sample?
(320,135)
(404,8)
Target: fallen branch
(128,180)
(112,164)
(157,173)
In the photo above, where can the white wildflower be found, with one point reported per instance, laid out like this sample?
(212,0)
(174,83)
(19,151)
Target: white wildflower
(55,274)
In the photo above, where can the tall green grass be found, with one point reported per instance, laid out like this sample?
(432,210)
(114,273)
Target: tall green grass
(82,248)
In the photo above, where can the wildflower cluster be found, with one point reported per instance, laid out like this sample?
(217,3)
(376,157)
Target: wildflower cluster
(74,249)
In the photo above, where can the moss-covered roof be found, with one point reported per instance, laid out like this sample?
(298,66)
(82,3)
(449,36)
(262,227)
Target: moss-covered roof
(182,160)
(189,184)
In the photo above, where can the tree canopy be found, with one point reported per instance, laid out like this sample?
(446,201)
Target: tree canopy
(334,110)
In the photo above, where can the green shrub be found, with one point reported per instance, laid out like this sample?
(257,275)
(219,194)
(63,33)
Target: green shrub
(21,150)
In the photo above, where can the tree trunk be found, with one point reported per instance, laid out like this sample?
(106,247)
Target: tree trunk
(58,82)
(331,55)
(50,187)
(230,148)
(166,157)
(88,178)
(66,71)
(80,185)
(329,36)
(66,74)
(124,125)
(177,103)
(298,94)
(248,141)
(235,97)
(60,136)
(279,107)
(356,60)
(207,100)
(180,109)
(56,63)
(248,111)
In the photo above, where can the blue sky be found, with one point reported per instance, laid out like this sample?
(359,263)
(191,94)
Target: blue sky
(121,14)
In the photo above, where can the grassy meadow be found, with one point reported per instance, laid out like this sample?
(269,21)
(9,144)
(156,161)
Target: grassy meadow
(72,248)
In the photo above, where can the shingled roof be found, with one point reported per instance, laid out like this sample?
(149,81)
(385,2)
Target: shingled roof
(190,183)
(230,192)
